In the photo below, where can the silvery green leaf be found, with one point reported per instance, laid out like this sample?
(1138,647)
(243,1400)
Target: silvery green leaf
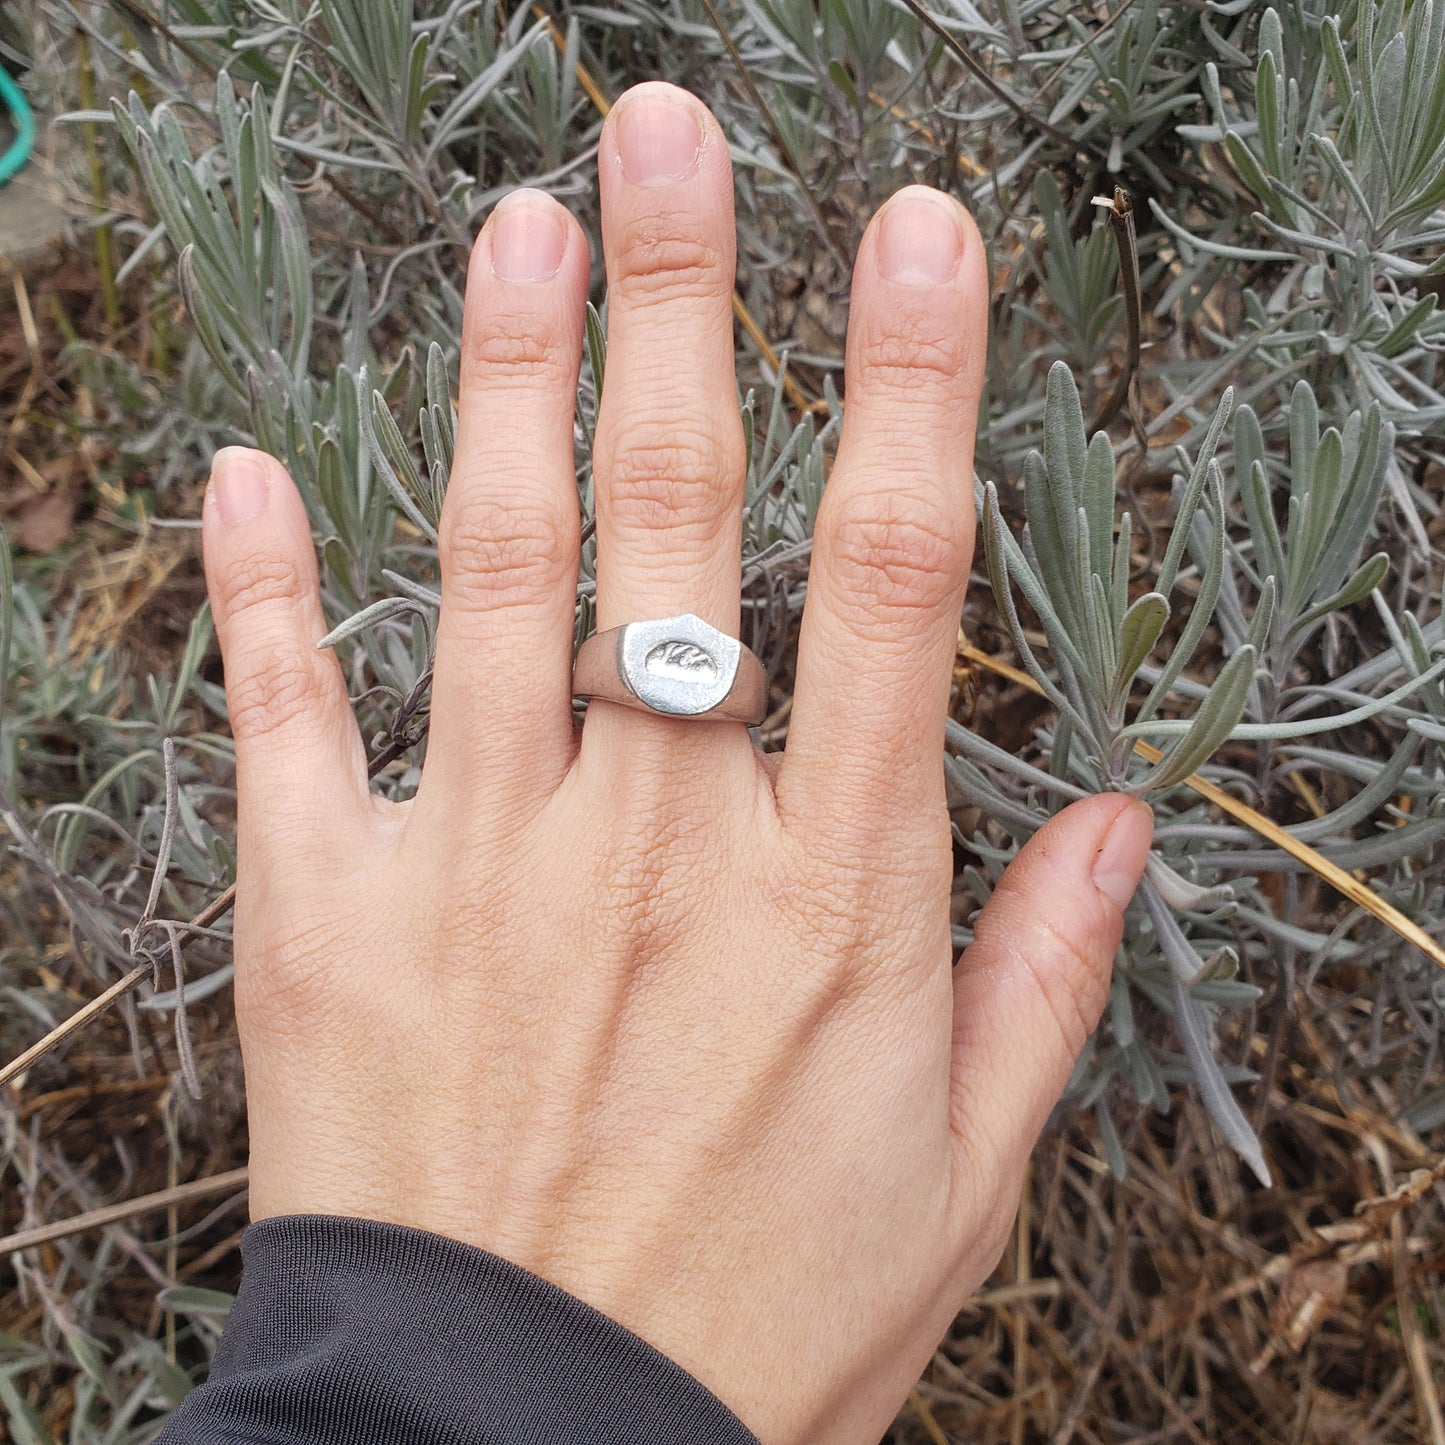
(1191,1019)
(1268,108)
(1123,561)
(1144,1076)
(479,89)
(416,91)
(1284,731)
(1263,530)
(1335,59)
(1370,442)
(1318,510)
(1204,471)
(340,567)
(198,639)
(386,446)
(203,321)
(1366,579)
(1376,793)
(976,788)
(1229,993)
(262,422)
(1250,171)
(1139,631)
(1101,631)
(228,113)
(984,752)
(596,345)
(1210,727)
(1098,504)
(443,415)
(1054,547)
(1065,446)
(188,1299)
(1121,1010)
(1343,173)
(382,611)
(196,990)
(415,590)
(1201,613)
(1067,653)
(997,544)
(1263,619)
(1178,952)
(1390,84)
(1403,332)
(1304,435)
(1114,1155)
(1179,893)
(296,267)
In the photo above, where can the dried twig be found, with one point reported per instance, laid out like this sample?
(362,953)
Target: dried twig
(233,1179)
(1070,143)
(1121,218)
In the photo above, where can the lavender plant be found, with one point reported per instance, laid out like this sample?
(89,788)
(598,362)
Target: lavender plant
(1237,582)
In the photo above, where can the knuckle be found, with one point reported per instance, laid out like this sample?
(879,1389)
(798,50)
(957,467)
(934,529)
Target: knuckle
(650,883)
(659,260)
(1062,965)
(911,352)
(853,906)
(1074,986)
(298,983)
(518,347)
(259,582)
(656,479)
(290,686)
(495,554)
(896,555)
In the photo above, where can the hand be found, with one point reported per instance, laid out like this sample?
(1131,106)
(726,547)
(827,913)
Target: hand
(631,1007)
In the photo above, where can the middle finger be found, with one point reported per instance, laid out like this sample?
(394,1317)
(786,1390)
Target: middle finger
(669,461)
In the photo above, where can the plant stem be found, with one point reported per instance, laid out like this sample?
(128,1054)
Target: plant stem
(104,256)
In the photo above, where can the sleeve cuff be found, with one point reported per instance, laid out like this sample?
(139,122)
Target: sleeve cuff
(355,1330)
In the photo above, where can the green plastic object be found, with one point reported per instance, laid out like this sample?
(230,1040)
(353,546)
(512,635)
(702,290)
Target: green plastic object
(13,98)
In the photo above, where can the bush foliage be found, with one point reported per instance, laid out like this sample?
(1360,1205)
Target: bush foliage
(1209,468)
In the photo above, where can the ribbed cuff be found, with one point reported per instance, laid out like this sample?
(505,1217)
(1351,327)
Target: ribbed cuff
(355,1331)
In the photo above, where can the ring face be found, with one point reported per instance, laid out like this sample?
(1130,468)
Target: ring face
(677,665)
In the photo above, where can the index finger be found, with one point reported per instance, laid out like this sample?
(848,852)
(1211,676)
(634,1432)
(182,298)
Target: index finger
(894,539)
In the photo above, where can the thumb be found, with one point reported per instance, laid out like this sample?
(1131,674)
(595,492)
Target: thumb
(1029,990)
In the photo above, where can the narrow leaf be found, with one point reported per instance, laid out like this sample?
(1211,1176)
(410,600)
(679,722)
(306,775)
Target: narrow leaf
(1211,726)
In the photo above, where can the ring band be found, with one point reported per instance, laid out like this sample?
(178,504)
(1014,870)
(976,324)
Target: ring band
(677,666)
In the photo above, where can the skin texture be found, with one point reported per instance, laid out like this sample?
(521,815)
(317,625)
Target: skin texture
(668,1024)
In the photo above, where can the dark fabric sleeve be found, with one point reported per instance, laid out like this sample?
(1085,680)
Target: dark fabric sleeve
(353,1332)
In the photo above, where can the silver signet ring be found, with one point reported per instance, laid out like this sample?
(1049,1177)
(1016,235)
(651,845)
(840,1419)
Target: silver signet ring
(678,666)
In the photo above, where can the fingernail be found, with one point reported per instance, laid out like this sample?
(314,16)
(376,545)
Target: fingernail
(528,236)
(238,480)
(658,137)
(921,240)
(1120,863)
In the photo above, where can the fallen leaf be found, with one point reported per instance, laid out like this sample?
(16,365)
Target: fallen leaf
(1308,1296)
(43,522)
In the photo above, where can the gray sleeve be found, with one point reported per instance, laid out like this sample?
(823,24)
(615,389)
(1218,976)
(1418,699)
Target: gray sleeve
(349,1330)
